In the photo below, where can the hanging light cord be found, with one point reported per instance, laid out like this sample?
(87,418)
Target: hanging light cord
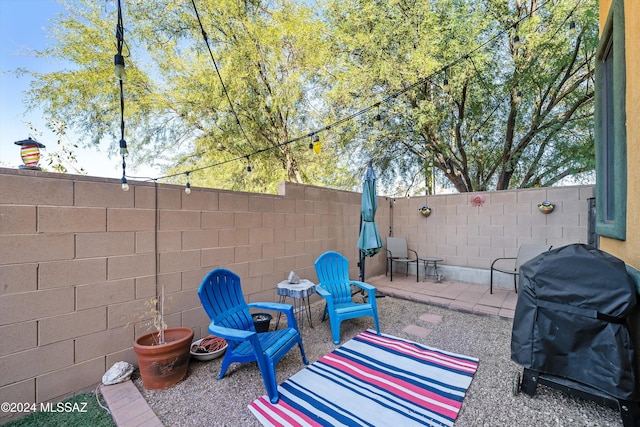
(215,65)
(363,111)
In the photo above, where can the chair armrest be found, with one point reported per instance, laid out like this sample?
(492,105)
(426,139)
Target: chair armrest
(415,253)
(229,333)
(322,292)
(502,259)
(362,285)
(276,306)
(389,254)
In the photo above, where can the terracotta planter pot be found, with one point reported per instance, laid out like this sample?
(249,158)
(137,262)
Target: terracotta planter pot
(163,366)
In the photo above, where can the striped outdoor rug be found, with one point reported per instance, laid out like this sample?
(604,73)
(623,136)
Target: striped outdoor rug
(376,381)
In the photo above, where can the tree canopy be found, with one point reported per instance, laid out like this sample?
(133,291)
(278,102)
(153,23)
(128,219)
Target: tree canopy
(246,84)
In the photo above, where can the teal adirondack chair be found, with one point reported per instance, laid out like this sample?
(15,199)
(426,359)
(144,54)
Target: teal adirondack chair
(221,296)
(332,269)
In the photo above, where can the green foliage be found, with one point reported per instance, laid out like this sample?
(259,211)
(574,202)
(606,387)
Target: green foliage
(289,70)
(480,134)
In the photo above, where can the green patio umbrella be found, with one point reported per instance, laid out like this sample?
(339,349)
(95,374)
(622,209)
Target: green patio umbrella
(369,242)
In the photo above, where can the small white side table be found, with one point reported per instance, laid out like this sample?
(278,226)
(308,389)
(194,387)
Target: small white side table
(299,292)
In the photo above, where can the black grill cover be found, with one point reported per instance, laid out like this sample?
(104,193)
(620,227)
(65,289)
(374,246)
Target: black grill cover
(570,319)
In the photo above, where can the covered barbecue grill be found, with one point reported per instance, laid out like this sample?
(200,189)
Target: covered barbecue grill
(570,331)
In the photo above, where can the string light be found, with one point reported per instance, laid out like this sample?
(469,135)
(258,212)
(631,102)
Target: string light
(516,42)
(125,184)
(187,188)
(315,144)
(518,97)
(119,70)
(572,27)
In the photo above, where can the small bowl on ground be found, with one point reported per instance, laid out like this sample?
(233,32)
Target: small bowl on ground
(199,348)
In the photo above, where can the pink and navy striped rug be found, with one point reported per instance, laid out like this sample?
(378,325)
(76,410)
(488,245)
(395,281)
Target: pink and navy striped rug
(376,381)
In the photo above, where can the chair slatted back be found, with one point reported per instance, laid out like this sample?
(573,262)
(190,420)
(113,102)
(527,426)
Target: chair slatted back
(221,295)
(398,247)
(332,269)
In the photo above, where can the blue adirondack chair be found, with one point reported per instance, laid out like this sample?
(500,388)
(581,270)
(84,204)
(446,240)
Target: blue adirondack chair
(332,269)
(221,296)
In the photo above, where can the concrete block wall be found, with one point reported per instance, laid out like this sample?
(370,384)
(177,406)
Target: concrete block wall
(471,237)
(78,257)
(78,265)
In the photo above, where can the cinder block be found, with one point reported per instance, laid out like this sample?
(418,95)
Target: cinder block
(130,220)
(258,236)
(103,194)
(191,279)
(72,272)
(234,202)
(284,235)
(145,287)
(99,344)
(127,355)
(127,313)
(179,220)
(212,258)
(17,219)
(199,239)
(195,318)
(248,220)
(261,202)
(294,220)
(72,325)
(18,337)
(272,250)
(90,245)
(294,248)
(233,237)
(104,293)
(71,219)
(45,189)
(247,253)
(144,196)
(69,380)
(258,268)
(532,196)
(179,261)
(272,220)
(31,363)
(18,278)
(25,248)
(27,306)
(200,199)
(170,196)
(287,205)
(22,391)
(121,267)
(501,197)
(215,220)
(304,206)
(172,282)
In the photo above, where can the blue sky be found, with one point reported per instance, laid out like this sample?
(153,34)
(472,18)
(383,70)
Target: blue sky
(23,27)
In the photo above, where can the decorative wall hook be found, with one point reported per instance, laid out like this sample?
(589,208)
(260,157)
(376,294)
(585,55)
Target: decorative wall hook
(477,199)
(424,211)
(546,207)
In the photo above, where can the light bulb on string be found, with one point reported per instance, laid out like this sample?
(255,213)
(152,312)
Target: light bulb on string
(445,85)
(125,184)
(248,165)
(516,42)
(572,27)
(315,144)
(187,188)
(123,148)
(518,97)
(119,70)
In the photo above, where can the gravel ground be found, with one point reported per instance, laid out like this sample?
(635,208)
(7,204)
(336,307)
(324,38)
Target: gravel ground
(200,399)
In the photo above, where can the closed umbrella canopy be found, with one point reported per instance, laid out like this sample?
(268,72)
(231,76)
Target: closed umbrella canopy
(369,242)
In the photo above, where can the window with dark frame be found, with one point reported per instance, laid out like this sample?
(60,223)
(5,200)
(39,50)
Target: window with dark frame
(610,123)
